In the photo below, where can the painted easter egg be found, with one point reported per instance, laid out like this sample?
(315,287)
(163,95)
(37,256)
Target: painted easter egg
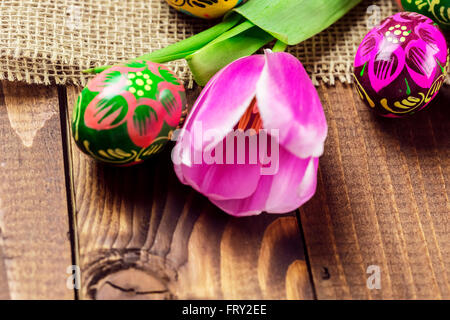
(206,9)
(437,10)
(127,113)
(401,64)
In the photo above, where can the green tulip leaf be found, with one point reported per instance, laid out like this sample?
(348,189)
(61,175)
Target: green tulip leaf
(243,40)
(293,21)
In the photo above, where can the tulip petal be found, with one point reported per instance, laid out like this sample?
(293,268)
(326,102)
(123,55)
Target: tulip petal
(218,176)
(292,186)
(250,206)
(221,181)
(190,119)
(288,102)
(228,96)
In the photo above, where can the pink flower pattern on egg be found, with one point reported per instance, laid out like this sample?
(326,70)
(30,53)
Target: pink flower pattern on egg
(400,64)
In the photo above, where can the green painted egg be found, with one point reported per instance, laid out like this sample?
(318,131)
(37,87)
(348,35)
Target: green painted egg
(127,113)
(437,10)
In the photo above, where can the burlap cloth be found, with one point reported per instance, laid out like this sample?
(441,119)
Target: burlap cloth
(51,41)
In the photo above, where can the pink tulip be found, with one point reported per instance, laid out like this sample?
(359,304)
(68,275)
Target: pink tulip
(272,97)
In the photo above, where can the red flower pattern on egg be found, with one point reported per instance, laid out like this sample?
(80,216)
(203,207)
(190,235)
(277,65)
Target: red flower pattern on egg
(143,115)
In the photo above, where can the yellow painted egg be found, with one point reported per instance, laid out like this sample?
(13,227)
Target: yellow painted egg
(206,9)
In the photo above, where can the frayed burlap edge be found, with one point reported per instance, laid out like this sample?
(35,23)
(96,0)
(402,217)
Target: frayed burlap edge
(52,41)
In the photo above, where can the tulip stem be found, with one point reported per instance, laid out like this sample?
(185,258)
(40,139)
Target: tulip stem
(279,46)
(241,41)
(244,26)
(186,47)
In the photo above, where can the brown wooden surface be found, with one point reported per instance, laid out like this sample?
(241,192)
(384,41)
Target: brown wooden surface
(35,249)
(382,199)
(142,234)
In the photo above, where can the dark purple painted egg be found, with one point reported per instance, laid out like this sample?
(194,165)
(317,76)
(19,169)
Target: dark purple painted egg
(401,65)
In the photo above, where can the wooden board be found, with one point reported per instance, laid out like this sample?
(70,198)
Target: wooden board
(4,288)
(35,248)
(143,235)
(383,199)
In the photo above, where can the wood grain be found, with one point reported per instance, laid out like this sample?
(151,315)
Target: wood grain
(143,235)
(382,199)
(35,248)
(4,287)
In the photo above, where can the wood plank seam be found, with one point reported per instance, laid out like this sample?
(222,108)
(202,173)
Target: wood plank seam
(33,217)
(70,194)
(307,260)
